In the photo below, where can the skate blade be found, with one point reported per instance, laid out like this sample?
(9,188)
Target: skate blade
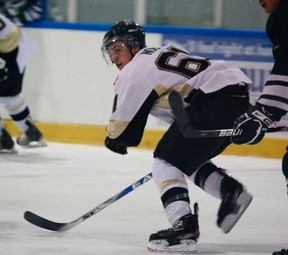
(162,246)
(8,151)
(34,144)
(230,220)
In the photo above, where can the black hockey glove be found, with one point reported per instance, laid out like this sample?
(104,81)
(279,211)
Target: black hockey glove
(254,124)
(115,146)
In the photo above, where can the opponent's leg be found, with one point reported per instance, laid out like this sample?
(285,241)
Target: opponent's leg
(184,234)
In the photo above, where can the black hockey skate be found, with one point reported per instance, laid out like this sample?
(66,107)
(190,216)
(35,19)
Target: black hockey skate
(235,201)
(32,137)
(6,143)
(181,238)
(282,252)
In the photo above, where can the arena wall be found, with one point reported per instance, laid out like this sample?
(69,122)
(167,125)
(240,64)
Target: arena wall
(69,87)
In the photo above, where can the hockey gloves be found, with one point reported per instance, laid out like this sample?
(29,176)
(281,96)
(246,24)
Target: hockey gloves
(254,124)
(115,146)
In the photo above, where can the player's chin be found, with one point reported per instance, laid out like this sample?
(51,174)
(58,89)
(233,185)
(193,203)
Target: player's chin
(120,66)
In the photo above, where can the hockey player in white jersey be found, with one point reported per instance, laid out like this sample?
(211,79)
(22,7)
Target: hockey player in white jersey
(15,49)
(215,93)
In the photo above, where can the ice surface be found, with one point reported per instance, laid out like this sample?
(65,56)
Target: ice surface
(62,182)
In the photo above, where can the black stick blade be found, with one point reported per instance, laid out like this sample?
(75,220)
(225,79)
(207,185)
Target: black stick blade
(47,224)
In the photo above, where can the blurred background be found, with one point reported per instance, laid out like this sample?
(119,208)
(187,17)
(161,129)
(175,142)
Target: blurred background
(69,86)
(235,14)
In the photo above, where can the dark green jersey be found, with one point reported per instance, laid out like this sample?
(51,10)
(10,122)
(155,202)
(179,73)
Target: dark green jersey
(275,93)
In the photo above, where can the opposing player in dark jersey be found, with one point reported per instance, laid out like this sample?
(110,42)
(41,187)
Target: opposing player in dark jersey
(215,93)
(272,105)
(15,49)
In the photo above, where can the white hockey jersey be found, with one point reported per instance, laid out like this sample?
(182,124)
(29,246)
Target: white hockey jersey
(12,37)
(143,85)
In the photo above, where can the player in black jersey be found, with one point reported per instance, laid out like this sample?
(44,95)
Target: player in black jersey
(272,105)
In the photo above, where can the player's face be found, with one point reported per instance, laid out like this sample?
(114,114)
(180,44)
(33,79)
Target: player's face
(269,5)
(119,54)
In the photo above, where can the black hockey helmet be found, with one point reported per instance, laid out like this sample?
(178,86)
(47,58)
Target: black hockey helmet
(127,31)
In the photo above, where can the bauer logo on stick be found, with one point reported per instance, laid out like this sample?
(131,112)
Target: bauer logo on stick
(230,132)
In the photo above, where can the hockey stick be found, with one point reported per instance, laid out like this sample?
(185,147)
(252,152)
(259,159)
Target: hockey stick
(61,227)
(188,131)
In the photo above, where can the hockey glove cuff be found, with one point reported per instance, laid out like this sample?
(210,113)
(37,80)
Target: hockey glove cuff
(254,124)
(115,146)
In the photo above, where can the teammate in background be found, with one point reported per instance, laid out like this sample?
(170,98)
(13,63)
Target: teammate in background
(215,93)
(21,11)
(15,49)
(272,105)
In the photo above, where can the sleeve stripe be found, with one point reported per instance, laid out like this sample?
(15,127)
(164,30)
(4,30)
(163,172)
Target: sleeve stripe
(274,98)
(273,82)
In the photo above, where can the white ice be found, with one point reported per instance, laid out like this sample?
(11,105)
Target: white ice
(62,182)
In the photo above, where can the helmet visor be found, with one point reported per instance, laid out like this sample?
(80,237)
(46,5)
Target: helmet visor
(126,40)
(114,50)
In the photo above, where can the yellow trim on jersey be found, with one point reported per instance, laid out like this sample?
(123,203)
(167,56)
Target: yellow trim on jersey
(11,41)
(270,147)
(163,92)
(115,128)
(185,89)
(162,101)
(170,182)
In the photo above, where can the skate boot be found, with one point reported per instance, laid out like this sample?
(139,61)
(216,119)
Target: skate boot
(282,252)
(181,238)
(235,201)
(32,137)
(6,143)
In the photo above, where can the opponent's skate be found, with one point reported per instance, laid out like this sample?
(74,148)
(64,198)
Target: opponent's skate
(181,238)
(282,252)
(235,201)
(6,143)
(32,137)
